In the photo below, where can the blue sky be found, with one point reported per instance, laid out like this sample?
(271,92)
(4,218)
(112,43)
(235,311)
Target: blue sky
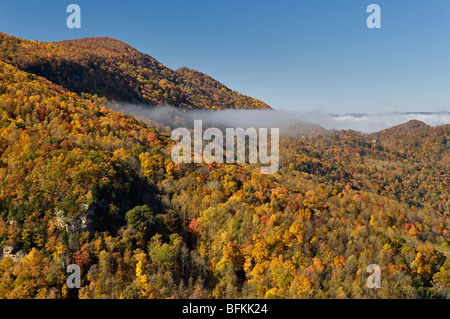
(294,55)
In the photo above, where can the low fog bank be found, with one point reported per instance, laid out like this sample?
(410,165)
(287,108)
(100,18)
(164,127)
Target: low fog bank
(374,122)
(289,123)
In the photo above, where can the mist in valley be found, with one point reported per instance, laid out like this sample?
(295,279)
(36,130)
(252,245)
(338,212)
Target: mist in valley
(290,123)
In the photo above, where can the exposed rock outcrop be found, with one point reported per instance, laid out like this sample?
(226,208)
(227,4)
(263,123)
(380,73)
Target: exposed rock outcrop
(13,252)
(84,222)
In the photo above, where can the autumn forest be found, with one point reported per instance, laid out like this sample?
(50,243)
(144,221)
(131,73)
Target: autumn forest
(84,184)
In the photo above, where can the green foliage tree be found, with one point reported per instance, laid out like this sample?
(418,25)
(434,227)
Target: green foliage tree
(140,219)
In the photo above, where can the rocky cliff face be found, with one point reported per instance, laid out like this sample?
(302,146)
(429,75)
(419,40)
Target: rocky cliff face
(84,222)
(13,252)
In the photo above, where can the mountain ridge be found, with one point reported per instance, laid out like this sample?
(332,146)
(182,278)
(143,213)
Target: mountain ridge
(115,70)
(82,184)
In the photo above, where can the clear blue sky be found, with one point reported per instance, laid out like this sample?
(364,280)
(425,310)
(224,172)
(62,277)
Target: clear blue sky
(294,55)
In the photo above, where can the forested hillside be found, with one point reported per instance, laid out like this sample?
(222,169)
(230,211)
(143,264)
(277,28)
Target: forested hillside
(111,68)
(83,184)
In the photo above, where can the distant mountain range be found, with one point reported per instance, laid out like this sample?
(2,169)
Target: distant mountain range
(374,122)
(399,113)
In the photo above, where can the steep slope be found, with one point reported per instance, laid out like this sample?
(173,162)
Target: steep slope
(205,90)
(59,152)
(82,184)
(113,69)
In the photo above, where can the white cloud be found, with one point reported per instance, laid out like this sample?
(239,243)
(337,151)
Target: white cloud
(366,123)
